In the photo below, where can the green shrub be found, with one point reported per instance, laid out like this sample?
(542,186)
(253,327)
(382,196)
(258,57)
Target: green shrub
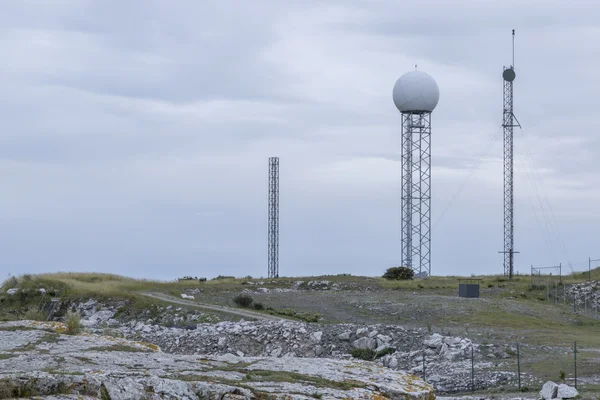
(243,300)
(259,306)
(563,375)
(399,273)
(73,323)
(385,352)
(288,312)
(363,354)
(308,317)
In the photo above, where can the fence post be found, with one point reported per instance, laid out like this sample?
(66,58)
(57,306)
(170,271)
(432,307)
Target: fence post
(575,361)
(472,370)
(519,365)
(424,365)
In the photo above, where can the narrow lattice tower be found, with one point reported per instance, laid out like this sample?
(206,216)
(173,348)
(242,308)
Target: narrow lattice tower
(416,95)
(273,229)
(508,123)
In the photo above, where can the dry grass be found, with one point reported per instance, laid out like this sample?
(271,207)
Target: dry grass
(115,285)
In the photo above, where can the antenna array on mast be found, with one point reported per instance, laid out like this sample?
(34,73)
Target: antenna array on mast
(508,123)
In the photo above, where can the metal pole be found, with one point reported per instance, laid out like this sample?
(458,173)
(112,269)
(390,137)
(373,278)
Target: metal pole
(560,271)
(519,366)
(424,365)
(589,268)
(575,362)
(472,370)
(531,275)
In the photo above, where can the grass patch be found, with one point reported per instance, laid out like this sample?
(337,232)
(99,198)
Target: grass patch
(35,315)
(49,337)
(6,356)
(119,347)
(73,323)
(285,376)
(17,328)
(291,313)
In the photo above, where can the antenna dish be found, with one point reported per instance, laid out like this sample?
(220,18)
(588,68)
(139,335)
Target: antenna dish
(509,75)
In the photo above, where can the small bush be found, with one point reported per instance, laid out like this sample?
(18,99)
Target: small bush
(385,352)
(243,300)
(307,317)
(563,375)
(363,354)
(399,273)
(490,285)
(259,306)
(220,277)
(73,323)
(288,312)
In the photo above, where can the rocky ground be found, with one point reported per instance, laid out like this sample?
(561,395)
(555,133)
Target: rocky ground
(36,359)
(445,361)
(419,333)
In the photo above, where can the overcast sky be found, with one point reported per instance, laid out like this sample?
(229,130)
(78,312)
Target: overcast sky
(135,135)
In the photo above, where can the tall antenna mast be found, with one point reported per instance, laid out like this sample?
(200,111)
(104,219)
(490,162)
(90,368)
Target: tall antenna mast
(508,123)
(273,231)
(416,94)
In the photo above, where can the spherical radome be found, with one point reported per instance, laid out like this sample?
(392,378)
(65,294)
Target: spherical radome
(416,91)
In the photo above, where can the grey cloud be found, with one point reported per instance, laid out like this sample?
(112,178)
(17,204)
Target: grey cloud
(136,134)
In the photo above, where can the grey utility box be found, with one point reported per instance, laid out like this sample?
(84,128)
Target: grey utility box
(468,288)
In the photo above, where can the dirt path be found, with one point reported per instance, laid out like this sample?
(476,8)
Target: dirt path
(223,309)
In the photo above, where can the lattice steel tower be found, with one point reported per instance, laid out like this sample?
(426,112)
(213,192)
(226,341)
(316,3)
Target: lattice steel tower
(273,232)
(416,95)
(508,123)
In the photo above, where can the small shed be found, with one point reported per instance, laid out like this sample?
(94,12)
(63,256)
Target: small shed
(468,287)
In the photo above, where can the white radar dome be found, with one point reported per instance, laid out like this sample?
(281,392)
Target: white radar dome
(416,91)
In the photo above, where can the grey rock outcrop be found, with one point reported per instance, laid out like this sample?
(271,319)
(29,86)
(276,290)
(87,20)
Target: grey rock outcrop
(107,367)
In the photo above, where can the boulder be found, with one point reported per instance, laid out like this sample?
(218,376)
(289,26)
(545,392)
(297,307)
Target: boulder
(365,343)
(434,341)
(361,332)
(316,337)
(549,390)
(566,392)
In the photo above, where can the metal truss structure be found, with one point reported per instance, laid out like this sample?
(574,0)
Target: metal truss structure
(273,230)
(416,191)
